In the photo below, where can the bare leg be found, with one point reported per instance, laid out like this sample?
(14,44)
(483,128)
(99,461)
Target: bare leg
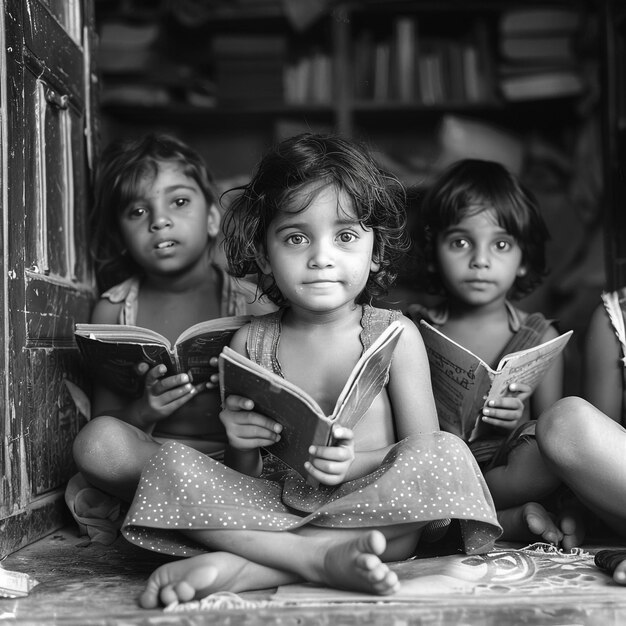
(524,478)
(344,558)
(352,563)
(199,576)
(587,450)
(111,455)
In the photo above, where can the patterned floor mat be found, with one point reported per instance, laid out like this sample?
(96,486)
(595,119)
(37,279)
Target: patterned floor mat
(539,570)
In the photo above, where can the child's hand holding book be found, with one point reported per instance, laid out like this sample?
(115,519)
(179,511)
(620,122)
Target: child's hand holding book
(329,465)
(247,431)
(506,411)
(162,394)
(304,424)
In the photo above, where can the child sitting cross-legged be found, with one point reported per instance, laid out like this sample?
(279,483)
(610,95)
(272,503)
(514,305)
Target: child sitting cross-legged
(322,226)
(584,441)
(482,242)
(156,225)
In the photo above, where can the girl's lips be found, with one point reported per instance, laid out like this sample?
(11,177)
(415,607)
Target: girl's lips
(164,244)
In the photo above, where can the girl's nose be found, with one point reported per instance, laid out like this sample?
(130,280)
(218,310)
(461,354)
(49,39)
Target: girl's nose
(159,222)
(480,259)
(321,255)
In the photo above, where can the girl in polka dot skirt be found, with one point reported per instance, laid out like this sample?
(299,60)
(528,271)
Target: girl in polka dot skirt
(322,227)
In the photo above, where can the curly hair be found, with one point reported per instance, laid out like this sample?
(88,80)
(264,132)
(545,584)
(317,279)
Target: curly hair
(121,174)
(470,186)
(277,185)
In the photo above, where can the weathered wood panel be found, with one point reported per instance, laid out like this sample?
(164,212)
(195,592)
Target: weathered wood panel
(46,165)
(54,419)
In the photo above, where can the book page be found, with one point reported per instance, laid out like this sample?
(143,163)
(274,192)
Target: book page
(460,382)
(232,323)
(527,366)
(122,333)
(368,378)
(199,344)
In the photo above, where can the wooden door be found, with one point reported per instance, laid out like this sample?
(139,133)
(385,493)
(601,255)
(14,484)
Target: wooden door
(47,148)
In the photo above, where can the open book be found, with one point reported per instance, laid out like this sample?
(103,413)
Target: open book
(304,423)
(463,383)
(111,352)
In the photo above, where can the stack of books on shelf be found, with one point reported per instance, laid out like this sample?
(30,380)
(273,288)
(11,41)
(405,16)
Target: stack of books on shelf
(308,78)
(538,57)
(412,65)
(249,68)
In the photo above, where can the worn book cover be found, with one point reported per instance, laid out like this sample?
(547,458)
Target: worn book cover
(304,423)
(111,352)
(463,382)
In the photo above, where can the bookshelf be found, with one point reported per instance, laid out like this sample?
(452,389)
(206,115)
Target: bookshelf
(613,30)
(371,69)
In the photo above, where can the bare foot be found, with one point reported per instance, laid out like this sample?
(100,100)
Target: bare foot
(529,522)
(199,576)
(356,565)
(573,526)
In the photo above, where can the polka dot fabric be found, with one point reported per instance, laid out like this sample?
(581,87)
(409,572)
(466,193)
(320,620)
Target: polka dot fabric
(423,479)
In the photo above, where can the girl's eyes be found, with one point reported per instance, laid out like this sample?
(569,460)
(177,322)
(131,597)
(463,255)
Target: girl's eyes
(459,243)
(296,239)
(136,212)
(503,245)
(346,237)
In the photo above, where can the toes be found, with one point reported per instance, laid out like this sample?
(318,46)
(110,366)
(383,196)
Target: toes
(376,542)
(568,525)
(184,592)
(552,536)
(536,523)
(540,523)
(149,599)
(168,595)
(368,563)
(389,584)
(378,572)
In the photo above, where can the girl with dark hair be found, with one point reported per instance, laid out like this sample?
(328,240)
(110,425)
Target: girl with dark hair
(322,226)
(481,243)
(155,230)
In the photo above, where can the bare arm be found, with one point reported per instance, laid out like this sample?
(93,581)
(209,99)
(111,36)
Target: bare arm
(602,366)
(410,389)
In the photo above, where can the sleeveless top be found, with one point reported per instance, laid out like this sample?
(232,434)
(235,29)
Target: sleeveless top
(427,478)
(615,305)
(264,334)
(492,448)
(526,333)
(237,297)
